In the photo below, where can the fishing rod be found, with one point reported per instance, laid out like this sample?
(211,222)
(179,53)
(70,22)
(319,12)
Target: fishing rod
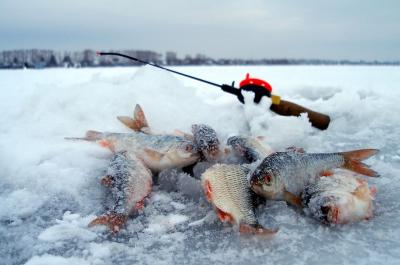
(259,87)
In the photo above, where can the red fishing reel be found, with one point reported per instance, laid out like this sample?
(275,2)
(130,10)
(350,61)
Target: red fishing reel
(258,86)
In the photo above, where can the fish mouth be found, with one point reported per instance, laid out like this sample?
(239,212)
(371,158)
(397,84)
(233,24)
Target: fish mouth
(330,214)
(258,188)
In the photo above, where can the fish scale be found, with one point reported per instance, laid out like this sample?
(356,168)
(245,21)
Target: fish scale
(158,152)
(297,169)
(230,191)
(131,182)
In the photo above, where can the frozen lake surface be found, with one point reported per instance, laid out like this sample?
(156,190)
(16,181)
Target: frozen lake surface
(50,191)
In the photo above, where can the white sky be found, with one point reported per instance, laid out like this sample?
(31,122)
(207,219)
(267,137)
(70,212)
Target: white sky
(339,29)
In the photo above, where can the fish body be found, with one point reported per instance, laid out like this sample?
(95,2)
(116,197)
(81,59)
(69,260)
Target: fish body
(339,199)
(129,182)
(158,152)
(226,187)
(250,148)
(284,174)
(207,141)
(203,136)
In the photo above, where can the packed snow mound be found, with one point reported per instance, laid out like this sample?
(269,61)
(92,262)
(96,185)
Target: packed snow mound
(50,191)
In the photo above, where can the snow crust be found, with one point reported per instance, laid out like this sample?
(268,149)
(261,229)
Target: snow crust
(50,191)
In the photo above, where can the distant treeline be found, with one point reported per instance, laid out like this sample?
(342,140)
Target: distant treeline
(36,58)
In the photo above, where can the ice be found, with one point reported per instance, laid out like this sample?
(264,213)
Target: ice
(71,227)
(163,223)
(176,180)
(50,191)
(59,260)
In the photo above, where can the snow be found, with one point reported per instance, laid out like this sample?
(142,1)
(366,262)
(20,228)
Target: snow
(49,187)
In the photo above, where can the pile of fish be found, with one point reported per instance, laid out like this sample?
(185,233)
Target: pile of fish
(233,177)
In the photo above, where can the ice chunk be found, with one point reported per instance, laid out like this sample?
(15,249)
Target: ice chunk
(162,223)
(71,227)
(20,203)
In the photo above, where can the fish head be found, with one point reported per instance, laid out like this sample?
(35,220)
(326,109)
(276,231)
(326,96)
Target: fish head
(338,207)
(267,183)
(183,153)
(207,141)
(238,144)
(243,147)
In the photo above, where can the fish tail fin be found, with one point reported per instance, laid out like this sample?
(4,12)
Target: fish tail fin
(257,230)
(352,161)
(139,121)
(90,136)
(113,221)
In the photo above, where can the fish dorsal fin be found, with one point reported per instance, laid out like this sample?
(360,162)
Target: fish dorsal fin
(153,155)
(139,117)
(138,123)
(260,138)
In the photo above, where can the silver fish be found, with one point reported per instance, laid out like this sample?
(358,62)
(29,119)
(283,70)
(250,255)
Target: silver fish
(204,137)
(284,175)
(339,199)
(158,152)
(226,187)
(129,182)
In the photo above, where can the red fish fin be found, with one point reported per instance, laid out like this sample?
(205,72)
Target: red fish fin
(224,216)
(326,173)
(113,221)
(256,230)
(107,144)
(208,190)
(292,199)
(352,161)
(107,181)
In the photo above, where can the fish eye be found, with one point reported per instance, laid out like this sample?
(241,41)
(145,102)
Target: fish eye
(267,179)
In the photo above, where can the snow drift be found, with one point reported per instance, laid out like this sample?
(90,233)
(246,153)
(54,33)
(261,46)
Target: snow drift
(49,187)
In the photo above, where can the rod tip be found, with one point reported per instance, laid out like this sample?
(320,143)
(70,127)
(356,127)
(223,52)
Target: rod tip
(98,53)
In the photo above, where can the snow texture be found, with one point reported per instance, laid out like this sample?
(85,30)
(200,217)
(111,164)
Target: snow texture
(50,191)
